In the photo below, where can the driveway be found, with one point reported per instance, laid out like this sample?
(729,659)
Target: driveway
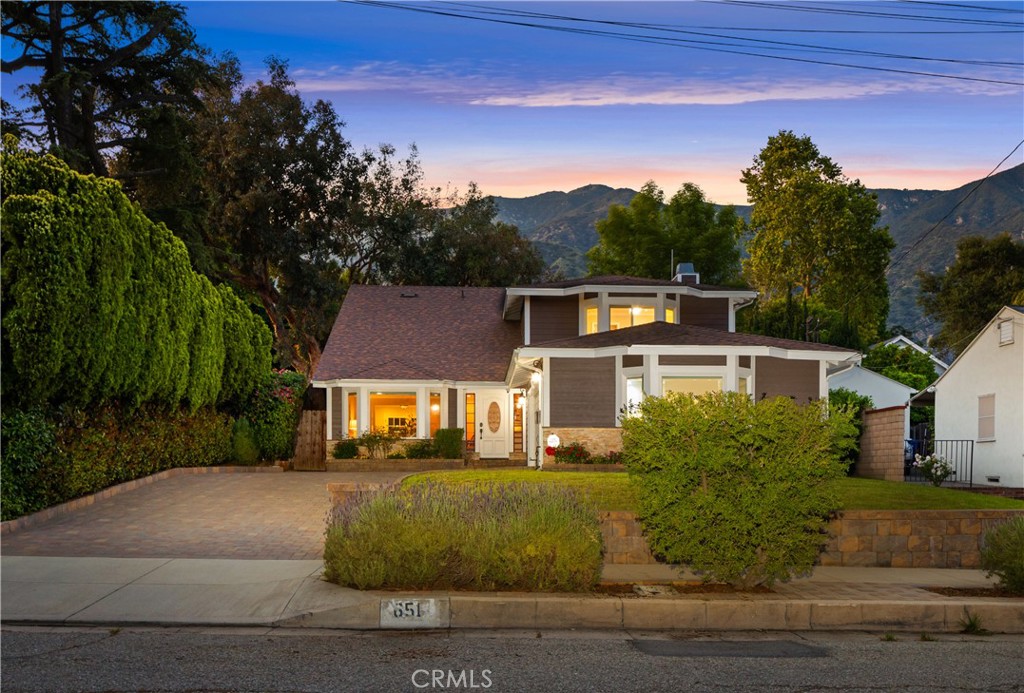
(239,516)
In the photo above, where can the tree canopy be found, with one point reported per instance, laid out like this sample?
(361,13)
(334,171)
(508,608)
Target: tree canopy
(814,238)
(106,67)
(903,364)
(640,240)
(986,275)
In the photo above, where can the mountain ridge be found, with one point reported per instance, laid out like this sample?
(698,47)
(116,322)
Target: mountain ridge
(562,226)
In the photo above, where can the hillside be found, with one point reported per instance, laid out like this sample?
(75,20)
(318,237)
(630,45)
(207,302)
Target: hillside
(562,226)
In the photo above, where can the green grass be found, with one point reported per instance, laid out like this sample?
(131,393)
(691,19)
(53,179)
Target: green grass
(612,491)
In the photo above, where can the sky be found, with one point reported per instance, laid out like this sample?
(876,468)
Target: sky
(522,110)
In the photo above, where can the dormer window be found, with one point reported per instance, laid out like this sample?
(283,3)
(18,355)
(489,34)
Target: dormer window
(620,317)
(607,313)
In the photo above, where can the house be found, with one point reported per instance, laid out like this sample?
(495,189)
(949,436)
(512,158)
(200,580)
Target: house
(907,343)
(884,392)
(514,366)
(981,399)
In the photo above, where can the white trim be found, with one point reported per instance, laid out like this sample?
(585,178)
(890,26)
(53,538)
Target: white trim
(685,289)
(732,366)
(620,386)
(330,412)
(688,350)
(363,401)
(526,320)
(545,393)
(822,381)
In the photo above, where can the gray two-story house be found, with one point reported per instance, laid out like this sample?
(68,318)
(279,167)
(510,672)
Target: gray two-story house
(511,366)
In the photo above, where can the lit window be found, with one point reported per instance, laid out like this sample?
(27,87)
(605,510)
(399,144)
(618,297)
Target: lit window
(690,385)
(987,417)
(435,412)
(470,422)
(620,317)
(591,319)
(394,412)
(743,386)
(353,416)
(670,315)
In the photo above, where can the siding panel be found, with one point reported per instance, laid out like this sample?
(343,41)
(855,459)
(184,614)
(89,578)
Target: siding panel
(554,318)
(797,379)
(691,360)
(338,428)
(453,408)
(582,392)
(704,312)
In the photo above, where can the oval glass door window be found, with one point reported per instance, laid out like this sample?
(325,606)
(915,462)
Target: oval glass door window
(494,417)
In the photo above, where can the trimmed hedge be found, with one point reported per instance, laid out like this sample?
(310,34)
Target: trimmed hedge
(100,304)
(51,460)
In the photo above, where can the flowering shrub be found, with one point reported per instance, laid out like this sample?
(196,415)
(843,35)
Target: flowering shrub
(273,412)
(378,443)
(490,537)
(573,453)
(934,468)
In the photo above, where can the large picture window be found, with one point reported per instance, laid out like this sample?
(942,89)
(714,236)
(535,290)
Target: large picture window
(620,317)
(394,412)
(690,385)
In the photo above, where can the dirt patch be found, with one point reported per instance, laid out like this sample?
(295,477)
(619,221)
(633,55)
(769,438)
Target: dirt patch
(982,592)
(626,589)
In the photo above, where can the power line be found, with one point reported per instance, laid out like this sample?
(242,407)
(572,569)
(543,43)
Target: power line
(712,46)
(846,11)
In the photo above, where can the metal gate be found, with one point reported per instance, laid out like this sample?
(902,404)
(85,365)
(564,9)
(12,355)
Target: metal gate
(311,442)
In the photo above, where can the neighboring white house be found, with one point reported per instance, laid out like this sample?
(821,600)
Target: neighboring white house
(884,392)
(940,365)
(981,398)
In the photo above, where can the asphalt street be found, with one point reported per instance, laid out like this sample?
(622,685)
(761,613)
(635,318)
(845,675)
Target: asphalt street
(179,660)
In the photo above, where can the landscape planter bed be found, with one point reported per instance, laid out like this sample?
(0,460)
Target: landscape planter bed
(556,467)
(408,465)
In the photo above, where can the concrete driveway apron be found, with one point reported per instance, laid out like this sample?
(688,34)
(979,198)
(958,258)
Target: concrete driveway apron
(238,516)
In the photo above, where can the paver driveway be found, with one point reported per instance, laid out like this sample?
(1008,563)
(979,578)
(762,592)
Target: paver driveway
(246,516)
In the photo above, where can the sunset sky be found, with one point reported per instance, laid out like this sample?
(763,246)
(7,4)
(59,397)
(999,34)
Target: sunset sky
(522,110)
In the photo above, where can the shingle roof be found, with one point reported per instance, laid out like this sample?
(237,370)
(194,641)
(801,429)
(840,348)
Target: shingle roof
(420,333)
(666,334)
(622,280)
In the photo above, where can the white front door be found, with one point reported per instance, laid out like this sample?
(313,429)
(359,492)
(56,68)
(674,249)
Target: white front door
(492,425)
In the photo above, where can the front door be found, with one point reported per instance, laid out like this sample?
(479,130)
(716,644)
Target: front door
(492,424)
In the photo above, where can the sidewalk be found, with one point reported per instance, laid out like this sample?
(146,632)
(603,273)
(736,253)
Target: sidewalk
(290,593)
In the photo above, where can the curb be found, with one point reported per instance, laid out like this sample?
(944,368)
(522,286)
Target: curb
(402,612)
(78,503)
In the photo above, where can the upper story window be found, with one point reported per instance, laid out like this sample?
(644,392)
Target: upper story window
(629,316)
(591,319)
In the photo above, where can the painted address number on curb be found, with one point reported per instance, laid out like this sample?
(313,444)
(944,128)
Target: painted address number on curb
(409,613)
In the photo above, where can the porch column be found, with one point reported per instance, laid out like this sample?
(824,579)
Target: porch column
(422,412)
(363,398)
(652,386)
(823,380)
(732,363)
(330,412)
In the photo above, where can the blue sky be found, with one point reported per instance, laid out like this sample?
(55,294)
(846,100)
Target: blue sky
(521,110)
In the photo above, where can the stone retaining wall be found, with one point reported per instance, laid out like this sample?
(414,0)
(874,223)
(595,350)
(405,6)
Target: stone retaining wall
(911,538)
(879,538)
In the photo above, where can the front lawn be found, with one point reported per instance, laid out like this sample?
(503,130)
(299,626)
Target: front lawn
(612,491)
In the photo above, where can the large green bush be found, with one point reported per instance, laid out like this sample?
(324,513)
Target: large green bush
(273,412)
(1003,554)
(434,536)
(737,490)
(100,304)
(51,460)
(448,442)
(842,399)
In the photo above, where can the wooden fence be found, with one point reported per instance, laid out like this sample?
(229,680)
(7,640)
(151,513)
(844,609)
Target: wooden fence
(311,442)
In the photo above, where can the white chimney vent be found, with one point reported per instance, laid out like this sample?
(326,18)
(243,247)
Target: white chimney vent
(686,274)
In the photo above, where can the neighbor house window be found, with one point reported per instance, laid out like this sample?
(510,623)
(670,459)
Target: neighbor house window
(987,417)
(394,412)
(591,319)
(435,412)
(1006,332)
(620,317)
(690,385)
(353,415)
(470,422)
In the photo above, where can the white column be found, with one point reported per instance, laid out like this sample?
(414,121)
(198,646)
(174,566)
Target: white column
(422,412)
(652,384)
(732,362)
(526,320)
(363,397)
(822,380)
(619,387)
(330,412)
(603,319)
(732,315)
(545,391)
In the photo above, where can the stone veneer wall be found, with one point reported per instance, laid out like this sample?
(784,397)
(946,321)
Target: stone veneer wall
(880,538)
(599,441)
(881,444)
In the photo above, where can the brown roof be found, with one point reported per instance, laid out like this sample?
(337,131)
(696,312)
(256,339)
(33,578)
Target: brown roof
(420,333)
(663,333)
(622,280)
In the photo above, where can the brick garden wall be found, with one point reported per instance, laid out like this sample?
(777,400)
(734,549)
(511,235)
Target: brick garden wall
(880,538)
(881,444)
